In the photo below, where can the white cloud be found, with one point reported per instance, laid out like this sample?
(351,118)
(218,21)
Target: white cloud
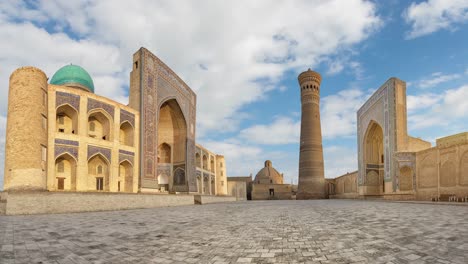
(339,160)
(283,130)
(422,101)
(238,43)
(338,119)
(335,67)
(339,113)
(443,110)
(241,159)
(49,52)
(434,15)
(437,78)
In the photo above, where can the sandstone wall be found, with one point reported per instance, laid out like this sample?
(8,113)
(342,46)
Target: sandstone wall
(417,144)
(60,202)
(207,199)
(344,187)
(262,192)
(237,189)
(442,171)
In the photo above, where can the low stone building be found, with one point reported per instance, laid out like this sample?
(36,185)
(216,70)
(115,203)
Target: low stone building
(268,185)
(248,185)
(237,189)
(343,187)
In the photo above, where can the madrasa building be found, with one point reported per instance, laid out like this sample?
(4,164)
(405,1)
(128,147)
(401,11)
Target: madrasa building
(394,165)
(63,137)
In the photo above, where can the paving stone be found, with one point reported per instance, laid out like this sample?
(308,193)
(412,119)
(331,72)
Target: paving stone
(325,231)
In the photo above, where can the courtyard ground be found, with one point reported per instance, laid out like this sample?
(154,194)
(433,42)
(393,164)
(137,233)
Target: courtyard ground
(326,231)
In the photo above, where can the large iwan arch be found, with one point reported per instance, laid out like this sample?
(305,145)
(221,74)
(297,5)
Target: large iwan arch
(172,137)
(374,159)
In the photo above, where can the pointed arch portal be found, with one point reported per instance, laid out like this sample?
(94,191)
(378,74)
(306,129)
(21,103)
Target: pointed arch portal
(172,140)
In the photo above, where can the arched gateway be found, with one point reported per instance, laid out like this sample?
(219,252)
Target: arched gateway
(374,159)
(172,139)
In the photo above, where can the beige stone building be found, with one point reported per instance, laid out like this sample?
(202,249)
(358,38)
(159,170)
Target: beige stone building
(394,165)
(211,172)
(237,189)
(269,185)
(63,137)
(240,187)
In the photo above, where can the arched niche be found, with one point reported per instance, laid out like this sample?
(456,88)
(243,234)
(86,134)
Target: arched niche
(126,134)
(373,145)
(448,176)
(164,153)
(172,130)
(464,169)
(98,173)
(427,171)
(99,125)
(65,172)
(179,176)
(66,119)
(126,176)
(406,179)
(372,178)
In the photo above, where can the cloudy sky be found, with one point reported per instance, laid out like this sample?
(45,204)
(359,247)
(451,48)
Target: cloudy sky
(242,59)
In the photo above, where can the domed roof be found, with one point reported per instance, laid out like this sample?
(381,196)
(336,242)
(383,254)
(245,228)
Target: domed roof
(73,76)
(268,175)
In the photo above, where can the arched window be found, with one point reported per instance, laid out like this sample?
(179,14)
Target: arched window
(99,169)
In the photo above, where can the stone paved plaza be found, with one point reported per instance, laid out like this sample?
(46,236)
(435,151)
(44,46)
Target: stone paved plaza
(327,231)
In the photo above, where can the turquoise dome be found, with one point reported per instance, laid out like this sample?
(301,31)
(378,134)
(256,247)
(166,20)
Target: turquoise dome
(74,76)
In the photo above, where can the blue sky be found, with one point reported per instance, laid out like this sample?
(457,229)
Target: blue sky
(242,59)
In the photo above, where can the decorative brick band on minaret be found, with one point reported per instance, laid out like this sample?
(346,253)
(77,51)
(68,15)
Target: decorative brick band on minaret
(311,173)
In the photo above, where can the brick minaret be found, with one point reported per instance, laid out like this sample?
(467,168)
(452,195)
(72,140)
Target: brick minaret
(311,173)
